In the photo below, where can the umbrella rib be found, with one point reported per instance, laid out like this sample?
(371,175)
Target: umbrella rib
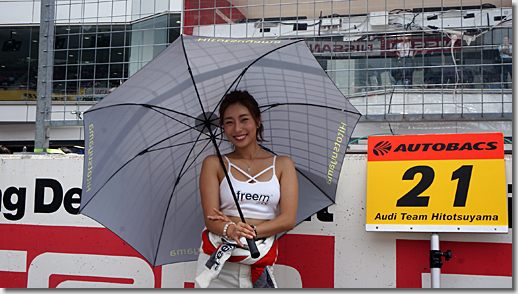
(140,104)
(126,163)
(316,186)
(152,107)
(174,188)
(167,138)
(180,113)
(238,79)
(313,105)
(192,79)
(189,127)
(270,106)
(167,115)
(171,146)
(194,160)
(148,148)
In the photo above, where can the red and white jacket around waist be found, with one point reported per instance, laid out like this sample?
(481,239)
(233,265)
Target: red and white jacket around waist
(222,250)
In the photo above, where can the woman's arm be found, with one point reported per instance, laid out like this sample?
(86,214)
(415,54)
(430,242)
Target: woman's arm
(209,191)
(285,221)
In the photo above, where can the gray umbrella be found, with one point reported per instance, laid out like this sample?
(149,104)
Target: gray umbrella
(146,141)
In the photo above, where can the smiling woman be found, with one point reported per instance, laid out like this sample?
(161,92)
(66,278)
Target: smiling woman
(273,212)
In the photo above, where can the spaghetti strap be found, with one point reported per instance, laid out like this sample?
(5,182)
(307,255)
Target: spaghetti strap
(230,165)
(243,172)
(262,172)
(250,178)
(227,161)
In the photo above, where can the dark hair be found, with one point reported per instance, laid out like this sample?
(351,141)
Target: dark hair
(4,150)
(244,98)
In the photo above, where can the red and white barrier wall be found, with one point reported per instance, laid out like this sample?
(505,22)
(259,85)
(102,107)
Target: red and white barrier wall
(45,243)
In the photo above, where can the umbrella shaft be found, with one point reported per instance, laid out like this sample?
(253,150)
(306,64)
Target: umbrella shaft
(228,179)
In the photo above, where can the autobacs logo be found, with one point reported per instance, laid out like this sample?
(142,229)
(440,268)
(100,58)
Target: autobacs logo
(383,147)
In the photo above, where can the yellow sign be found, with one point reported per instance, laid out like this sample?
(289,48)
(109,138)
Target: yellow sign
(437,183)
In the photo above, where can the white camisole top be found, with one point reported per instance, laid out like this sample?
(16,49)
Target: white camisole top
(258,200)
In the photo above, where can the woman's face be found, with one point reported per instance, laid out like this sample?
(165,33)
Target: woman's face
(239,125)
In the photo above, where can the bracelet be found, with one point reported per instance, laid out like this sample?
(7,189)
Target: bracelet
(226,227)
(255,231)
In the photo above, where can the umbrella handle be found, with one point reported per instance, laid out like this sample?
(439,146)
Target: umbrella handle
(254,252)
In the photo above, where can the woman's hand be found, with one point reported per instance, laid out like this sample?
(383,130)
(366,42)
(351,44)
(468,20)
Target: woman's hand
(220,216)
(240,230)
(235,232)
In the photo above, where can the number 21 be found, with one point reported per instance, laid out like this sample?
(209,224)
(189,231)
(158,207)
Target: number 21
(413,198)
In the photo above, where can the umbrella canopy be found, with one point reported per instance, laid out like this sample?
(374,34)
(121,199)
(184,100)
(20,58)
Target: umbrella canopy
(146,141)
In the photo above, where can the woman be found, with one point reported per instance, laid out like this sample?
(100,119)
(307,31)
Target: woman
(267,189)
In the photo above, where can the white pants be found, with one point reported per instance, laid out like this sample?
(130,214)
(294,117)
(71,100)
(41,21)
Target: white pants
(233,274)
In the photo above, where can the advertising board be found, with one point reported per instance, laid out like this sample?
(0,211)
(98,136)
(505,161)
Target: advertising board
(437,183)
(45,244)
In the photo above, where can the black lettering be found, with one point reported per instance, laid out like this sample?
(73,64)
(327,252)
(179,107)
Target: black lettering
(492,145)
(463,174)
(19,206)
(426,145)
(476,146)
(69,200)
(466,146)
(414,197)
(57,196)
(248,196)
(264,198)
(412,149)
(323,215)
(401,147)
(439,146)
(452,147)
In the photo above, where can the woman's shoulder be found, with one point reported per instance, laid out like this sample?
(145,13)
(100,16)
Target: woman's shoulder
(211,161)
(212,165)
(284,161)
(211,158)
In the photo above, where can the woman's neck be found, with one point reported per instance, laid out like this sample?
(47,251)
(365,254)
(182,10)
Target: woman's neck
(249,152)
